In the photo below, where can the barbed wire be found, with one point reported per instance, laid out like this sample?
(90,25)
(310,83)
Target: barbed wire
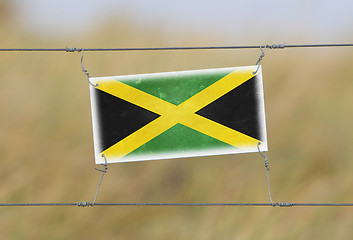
(269,46)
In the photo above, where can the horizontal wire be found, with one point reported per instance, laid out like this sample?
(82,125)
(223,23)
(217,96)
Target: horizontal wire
(85,204)
(272,46)
(35,204)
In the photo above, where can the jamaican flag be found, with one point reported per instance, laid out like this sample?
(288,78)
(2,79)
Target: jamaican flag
(178,114)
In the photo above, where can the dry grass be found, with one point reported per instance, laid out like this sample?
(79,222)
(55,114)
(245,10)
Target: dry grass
(47,147)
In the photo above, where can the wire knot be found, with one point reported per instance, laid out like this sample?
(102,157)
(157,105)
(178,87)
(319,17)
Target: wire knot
(105,164)
(267,164)
(276,46)
(283,204)
(84,204)
(68,49)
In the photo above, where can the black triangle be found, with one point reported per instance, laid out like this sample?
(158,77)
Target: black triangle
(117,118)
(238,109)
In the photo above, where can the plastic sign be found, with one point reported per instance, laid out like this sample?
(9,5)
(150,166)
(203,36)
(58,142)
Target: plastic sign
(178,114)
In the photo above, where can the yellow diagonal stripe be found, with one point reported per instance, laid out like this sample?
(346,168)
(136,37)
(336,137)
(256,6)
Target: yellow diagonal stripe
(219,131)
(140,137)
(135,96)
(171,114)
(216,90)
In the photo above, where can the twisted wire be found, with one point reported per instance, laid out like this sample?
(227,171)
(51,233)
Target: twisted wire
(270,46)
(88,204)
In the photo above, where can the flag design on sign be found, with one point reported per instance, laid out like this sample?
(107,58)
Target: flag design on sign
(178,114)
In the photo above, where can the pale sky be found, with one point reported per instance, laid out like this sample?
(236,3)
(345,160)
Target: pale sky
(314,20)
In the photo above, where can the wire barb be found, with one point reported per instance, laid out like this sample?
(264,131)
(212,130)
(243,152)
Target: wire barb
(103,172)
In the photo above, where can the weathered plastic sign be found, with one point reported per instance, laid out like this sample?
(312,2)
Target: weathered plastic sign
(178,114)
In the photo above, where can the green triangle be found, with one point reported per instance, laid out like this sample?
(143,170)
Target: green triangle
(179,139)
(175,87)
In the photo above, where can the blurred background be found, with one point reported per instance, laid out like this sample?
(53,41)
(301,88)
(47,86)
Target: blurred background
(46,137)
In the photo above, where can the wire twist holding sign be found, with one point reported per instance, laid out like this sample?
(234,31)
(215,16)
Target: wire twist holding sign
(103,172)
(263,154)
(89,204)
(260,59)
(273,46)
(67,49)
(85,71)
